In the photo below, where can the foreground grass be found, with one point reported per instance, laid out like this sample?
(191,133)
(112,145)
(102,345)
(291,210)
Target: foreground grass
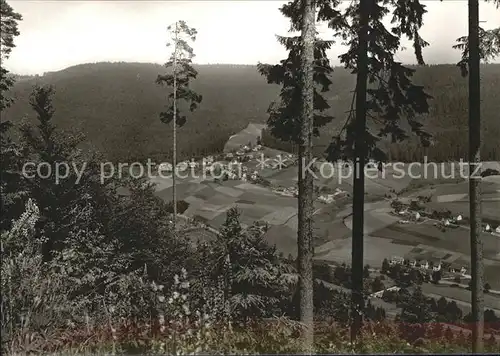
(277,337)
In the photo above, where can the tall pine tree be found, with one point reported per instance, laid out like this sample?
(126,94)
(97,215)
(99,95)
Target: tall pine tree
(304,76)
(385,98)
(479,45)
(476,244)
(11,192)
(182,72)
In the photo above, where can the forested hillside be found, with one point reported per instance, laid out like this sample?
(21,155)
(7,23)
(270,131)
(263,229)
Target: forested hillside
(116,105)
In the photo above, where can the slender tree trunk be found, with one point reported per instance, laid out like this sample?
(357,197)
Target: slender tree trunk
(476,245)
(305,199)
(174,133)
(357,300)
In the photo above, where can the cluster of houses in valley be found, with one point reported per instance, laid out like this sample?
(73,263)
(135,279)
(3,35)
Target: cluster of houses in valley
(409,215)
(431,266)
(243,154)
(489,229)
(455,222)
(228,166)
(330,198)
(287,192)
(236,170)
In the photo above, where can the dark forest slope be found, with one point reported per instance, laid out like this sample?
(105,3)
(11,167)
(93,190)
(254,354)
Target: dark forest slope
(117,104)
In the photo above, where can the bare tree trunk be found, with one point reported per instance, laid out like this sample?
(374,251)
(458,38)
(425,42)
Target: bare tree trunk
(357,300)
(174,133)
(476,244)
(305,199)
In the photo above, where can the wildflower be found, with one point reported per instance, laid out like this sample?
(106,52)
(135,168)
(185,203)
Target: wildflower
(161,298)
(185,285)
(176,295)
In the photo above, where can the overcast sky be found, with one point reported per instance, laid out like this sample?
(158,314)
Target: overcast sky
(59,34)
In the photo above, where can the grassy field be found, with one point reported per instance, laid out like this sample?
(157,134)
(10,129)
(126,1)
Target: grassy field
(375,250)
(460,294)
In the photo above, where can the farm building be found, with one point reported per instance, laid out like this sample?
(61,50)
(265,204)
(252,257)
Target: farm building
(456,268)
(397,260)
(423,264)
(435,264)
(436,267)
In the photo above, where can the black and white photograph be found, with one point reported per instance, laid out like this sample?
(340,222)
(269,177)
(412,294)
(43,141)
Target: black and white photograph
(205,177)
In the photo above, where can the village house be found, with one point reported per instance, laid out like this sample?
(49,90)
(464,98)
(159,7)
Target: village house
(435,264)
(193,164)
(456,220)
(396,260)
(436,267)
(423,264)
(458,269)
(165,167)
(327,199)
(182,166)
(257,148)
(403,212)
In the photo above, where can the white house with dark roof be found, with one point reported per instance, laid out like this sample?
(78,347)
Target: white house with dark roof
(396,260)
(459,269)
